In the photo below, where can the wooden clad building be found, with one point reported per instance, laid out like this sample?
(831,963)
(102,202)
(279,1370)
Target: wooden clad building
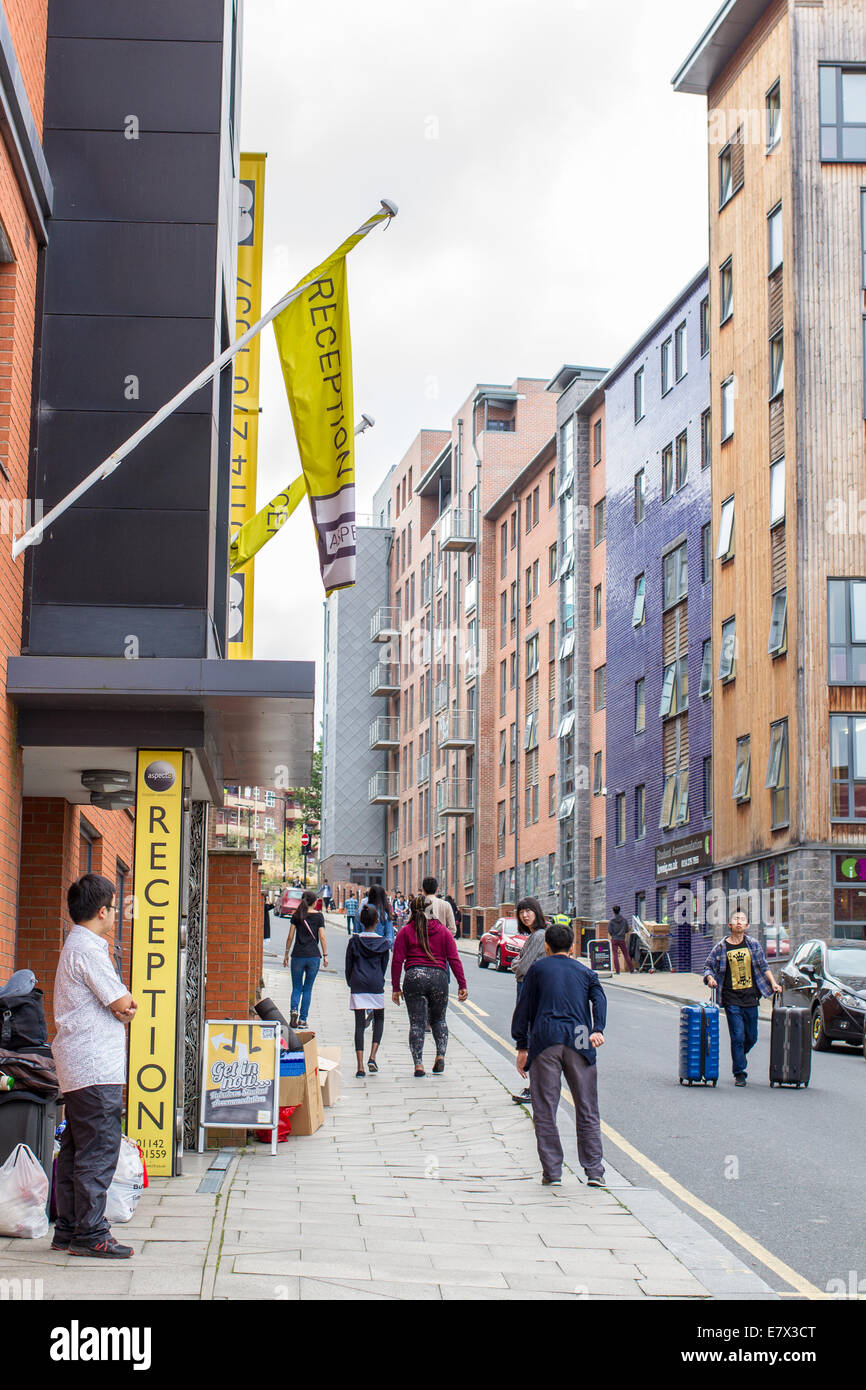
(785,82)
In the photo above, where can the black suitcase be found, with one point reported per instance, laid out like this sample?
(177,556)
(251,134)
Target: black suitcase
(28,1119)
(790,1046)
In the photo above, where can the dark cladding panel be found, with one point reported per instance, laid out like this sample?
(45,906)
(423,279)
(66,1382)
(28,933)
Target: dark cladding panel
(98,84)
(123,558)
(150,268)
(144,19)
(70,629)
(87,363)
(99,176)
(171,469)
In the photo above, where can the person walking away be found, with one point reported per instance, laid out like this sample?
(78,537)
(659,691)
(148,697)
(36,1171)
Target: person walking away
(350,908)
(739,962)
(326,896)
(558,1027)
(619,929)
(306,936)
(531,919)
(458,915)
(441,907)
(366,962)
(91,1009)
(425,947)
(377,898)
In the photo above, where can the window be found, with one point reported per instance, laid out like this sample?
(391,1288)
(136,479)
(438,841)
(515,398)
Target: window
(777,492)
(503,686)
(675,688)
(774,116)
(598,869)
(743,771)
(639,395)
(667,472)
(726,175)
(503,758)
(566,808)
(640,906)
(681,799)
(666,818)
(532,655)
(774,229)
(726,291)
(847,631)
(566,453)
(503,545)
(640,705)
(706,686)
(513,529)
(848,767)
(638,616)
(667,365)
(706,552)
(843,114)
(639,812)
(639,496)
(503,618)
(552,564)
(708,788)
(675,575)
(705,326)
(597,774)
(662,905)
(551,488)
(620,818)
(681,364)
(600,686)
(706,440)
(512,670)
(682,459)
(777,366)
(777,773)
(597,605)
(778,643)
(551,795)
(596,442)
(598,518)
(726,531)
(728,659)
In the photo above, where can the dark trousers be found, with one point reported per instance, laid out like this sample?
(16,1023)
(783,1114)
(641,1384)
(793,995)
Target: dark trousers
(743,1028)
(545,1086)
(615,948)
(89,1150)
(360,1022)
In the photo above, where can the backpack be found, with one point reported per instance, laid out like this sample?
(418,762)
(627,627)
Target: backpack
(22,1014)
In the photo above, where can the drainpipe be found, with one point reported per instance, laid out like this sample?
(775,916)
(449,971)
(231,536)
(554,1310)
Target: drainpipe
(478,610)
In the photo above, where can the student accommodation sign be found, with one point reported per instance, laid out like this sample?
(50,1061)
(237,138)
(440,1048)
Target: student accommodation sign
(152,1085)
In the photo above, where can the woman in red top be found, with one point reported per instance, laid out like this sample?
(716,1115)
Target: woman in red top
(425,950)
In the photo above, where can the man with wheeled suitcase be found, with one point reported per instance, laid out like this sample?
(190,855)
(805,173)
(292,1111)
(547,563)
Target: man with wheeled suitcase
(738,961)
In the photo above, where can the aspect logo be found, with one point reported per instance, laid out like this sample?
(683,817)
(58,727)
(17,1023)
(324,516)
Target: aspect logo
(159,776)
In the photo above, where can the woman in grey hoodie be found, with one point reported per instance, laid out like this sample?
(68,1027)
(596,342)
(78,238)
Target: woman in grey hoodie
(530,915)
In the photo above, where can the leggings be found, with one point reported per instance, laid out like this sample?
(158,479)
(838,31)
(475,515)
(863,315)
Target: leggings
(425,988)
(378,1026)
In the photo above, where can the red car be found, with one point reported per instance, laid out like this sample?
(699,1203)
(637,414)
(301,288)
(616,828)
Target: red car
(502,944)
(289,900)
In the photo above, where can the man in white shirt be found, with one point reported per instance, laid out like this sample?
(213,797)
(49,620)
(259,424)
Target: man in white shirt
(441,909)
(91,1010)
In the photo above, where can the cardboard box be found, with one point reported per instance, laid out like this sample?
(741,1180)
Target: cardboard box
(329,1059)
(305,1091)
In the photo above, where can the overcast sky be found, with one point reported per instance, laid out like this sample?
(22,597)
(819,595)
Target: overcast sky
(552,195)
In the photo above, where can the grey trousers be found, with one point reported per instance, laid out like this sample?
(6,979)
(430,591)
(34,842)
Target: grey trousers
(545,1083)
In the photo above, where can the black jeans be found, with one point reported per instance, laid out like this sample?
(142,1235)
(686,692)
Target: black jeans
(89,1150)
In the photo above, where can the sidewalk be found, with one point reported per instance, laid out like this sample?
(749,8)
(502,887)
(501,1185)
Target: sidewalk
(412,1189)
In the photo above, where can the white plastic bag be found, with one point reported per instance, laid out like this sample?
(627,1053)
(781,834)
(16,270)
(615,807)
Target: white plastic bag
(23,1195)
(127,1184)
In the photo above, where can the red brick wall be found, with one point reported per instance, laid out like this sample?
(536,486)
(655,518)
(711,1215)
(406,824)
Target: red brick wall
(28,25)
(235,933)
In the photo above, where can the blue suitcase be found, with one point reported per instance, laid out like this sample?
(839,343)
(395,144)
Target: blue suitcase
(699,1044)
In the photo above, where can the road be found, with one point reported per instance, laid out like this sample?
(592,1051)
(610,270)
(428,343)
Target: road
(784,1166)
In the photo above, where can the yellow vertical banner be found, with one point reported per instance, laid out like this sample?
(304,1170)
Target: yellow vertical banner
(245,420)
(152,1081)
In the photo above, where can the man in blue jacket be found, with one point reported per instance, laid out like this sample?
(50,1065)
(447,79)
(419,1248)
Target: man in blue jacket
(558,1025)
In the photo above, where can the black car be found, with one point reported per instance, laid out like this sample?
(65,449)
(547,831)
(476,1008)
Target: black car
(829,977)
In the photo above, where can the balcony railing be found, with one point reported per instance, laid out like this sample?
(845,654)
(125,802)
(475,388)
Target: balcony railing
(456,798)
(385,625)
(394,844)
(440,697)
(458,530)
(423,774)
(385,732)
(383,789)
(456,729)
(384,679)
(469,867)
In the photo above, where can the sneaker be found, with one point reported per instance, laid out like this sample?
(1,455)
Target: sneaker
(302,1023)
(597,1181)
(439,1065)
(61,1242)
(105,1249)
(371,1066)
(551,1182)
(293,1018)
(524,1098)
(740,1080)
(359,1073)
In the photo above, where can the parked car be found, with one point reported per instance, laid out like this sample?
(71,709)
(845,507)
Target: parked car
(502,944)
(829,977)
(290,899)
(776,943)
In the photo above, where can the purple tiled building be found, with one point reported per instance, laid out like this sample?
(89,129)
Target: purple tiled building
(657,774)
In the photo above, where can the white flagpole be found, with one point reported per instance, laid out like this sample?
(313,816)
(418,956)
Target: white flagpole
(107,467)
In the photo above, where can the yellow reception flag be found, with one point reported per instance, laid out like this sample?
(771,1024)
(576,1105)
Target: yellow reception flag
(314,345)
